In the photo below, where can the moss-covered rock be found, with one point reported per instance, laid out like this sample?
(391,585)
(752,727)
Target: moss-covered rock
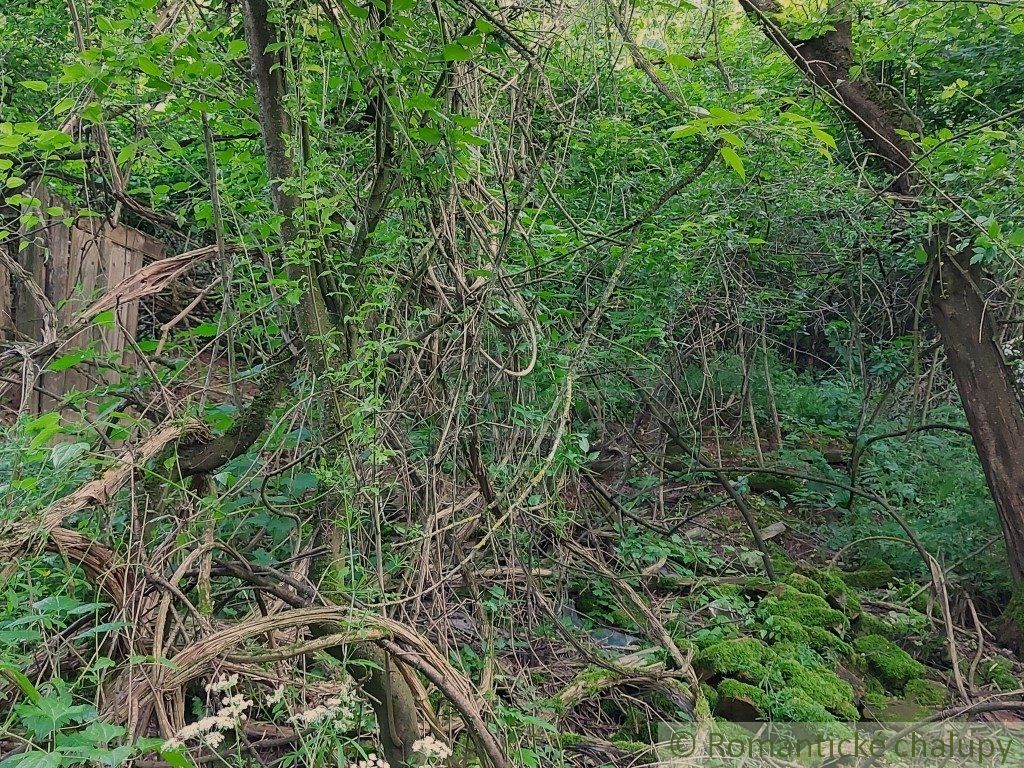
(869,624)
(804,584)
(741,701)
(819,684)
(874,574)
(886,660)
(927,693)
(744,657)
(826,643)
(838,593)
(807,609)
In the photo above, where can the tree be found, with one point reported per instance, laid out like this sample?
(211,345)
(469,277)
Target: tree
(955,284)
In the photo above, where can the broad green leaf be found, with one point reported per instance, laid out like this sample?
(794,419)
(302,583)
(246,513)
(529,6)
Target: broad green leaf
(150,67)
(734,161)
(65,453)
(456,52)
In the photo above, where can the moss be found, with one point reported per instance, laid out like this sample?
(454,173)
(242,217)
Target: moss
(785,705)
(877,701)
(869,624)
(819,684)
(744,657)
(906,594)
(821,640)
(805,584)
(808,610)
(1000,673)
(790,705)
(893,666)
(710,698)
(630,745)
(734,690)
(1009,626)
(765,482)
(927,693)
(874,574)
(838,593)
(781,561)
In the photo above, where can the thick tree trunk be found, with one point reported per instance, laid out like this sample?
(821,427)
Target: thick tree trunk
(987,390)
(958,307)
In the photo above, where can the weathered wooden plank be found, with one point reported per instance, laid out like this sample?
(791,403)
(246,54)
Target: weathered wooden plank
(73,266)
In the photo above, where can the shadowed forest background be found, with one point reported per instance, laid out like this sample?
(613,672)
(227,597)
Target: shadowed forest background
(475,382)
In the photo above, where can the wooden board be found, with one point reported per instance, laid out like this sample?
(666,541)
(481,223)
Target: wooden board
(73,265)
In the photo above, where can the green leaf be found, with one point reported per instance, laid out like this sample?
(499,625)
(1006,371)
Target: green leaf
(733,159)
(105,319)
(823,137)
(34,759)
(65,453)
(427,133)
(69,360)
(150,67)
(17,677)
(99,732)
(177,759)
(456,52)
(34,85)
(100,629)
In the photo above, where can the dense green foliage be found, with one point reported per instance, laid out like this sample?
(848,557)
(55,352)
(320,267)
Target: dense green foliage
(569,297)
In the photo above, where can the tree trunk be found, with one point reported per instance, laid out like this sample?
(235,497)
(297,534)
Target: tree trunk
(380,675)
(958,306)
(986,388)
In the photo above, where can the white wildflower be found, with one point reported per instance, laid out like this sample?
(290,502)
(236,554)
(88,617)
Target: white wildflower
(372,761)
(222,684)
(213,739)
(432,749)
(342,710)
(274,698)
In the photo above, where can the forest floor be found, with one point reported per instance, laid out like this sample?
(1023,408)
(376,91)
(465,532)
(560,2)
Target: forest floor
(834,638)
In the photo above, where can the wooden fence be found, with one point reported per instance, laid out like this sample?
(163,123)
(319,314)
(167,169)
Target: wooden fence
(71,266)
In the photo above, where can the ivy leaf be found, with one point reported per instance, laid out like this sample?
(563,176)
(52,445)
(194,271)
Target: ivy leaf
(34,759)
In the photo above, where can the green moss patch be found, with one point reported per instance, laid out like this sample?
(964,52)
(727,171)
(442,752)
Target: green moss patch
(999,672)
(927,693)
(809,610)
(743,657)
(765,482)
(819,684)
(874,574)
(839,594)
(893,666)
